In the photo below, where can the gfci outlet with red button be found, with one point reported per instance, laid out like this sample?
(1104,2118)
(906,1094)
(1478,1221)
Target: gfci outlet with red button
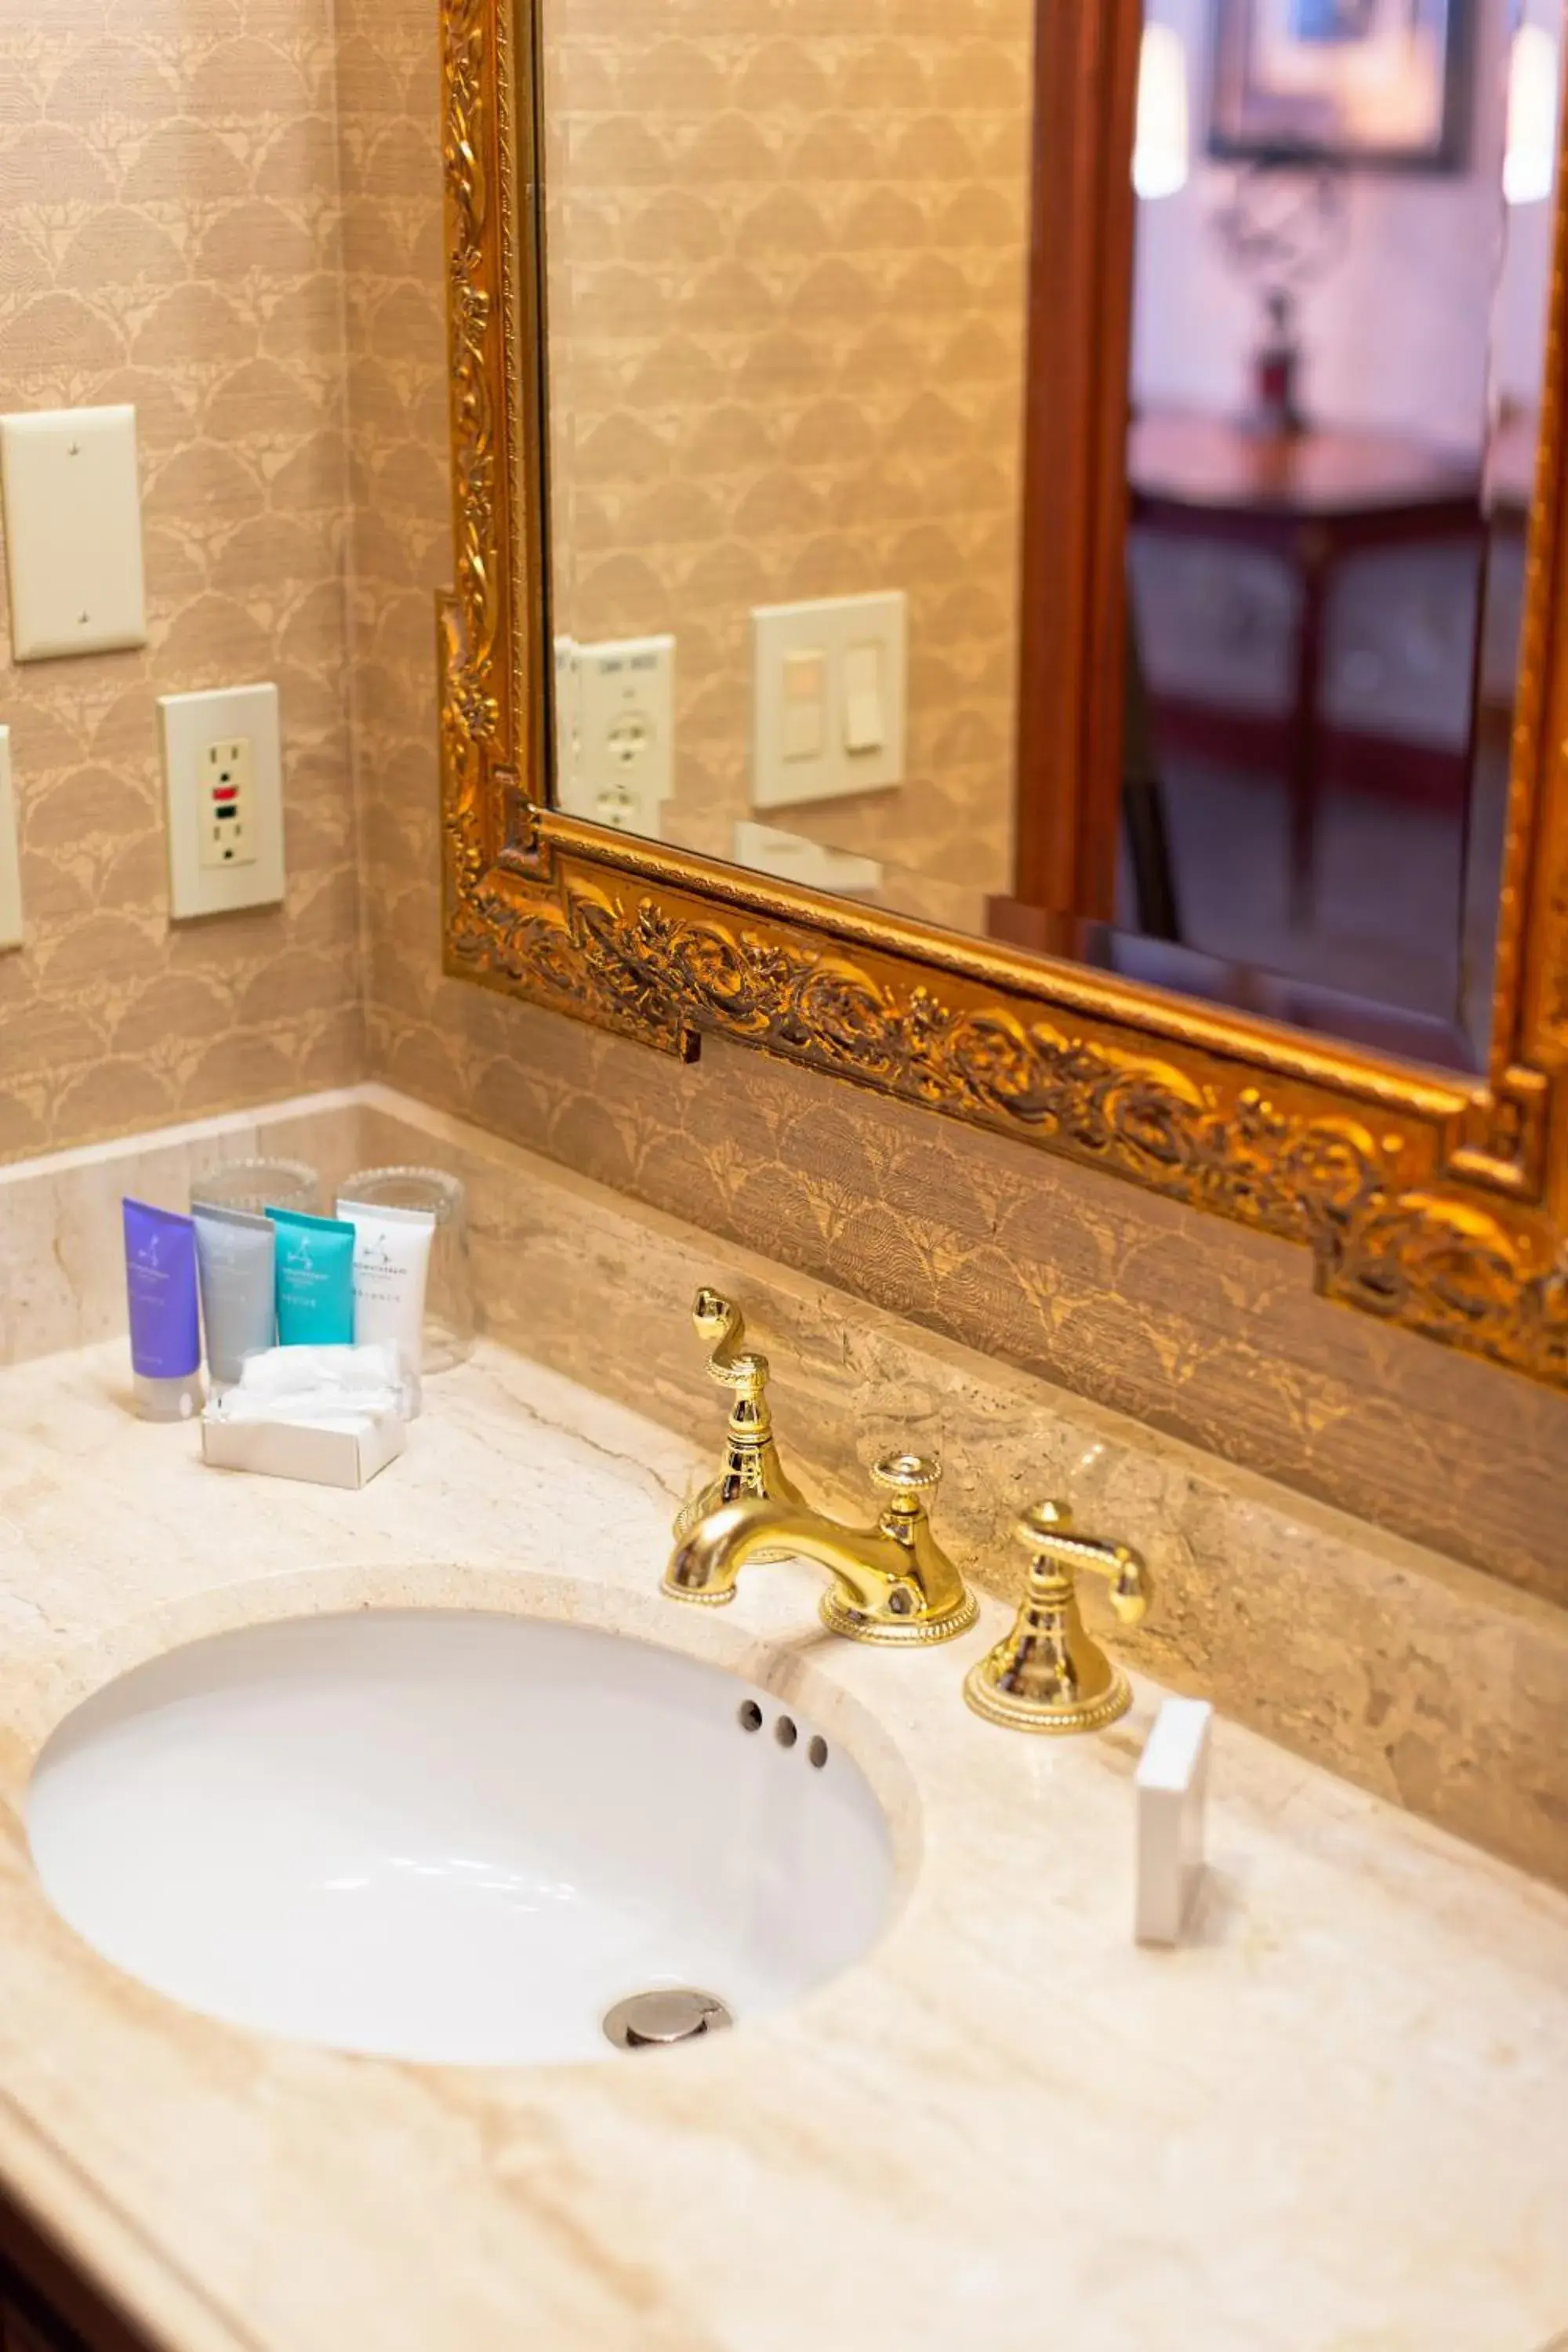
(228,815)
(223,782)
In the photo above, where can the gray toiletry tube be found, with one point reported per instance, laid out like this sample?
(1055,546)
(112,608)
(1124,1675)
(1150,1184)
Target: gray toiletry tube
(237,1255)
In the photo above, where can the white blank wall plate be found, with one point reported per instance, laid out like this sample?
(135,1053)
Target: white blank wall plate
(10,860)
(198,732)
(851,742)
(73,532)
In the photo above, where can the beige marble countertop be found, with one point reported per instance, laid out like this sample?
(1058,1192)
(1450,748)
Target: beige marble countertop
(1337,2119)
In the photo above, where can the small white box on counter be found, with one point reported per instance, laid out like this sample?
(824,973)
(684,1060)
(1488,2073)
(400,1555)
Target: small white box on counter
(348,1453)
(1172,1784)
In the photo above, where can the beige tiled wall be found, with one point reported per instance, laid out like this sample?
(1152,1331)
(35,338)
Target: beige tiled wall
(787,320)
(169,235)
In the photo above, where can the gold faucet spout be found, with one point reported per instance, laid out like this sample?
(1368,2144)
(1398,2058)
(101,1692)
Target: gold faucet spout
(751,1469)
(893,1582)
(706,1566)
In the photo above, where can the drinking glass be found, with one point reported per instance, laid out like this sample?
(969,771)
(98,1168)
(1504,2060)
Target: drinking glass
(258,1186)
(448,1336)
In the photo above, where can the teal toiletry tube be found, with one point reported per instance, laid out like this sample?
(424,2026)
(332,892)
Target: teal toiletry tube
(236,1257)
(315,1280)
(166,1329)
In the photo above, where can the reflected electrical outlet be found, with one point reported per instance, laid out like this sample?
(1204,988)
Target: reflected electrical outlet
(614,728)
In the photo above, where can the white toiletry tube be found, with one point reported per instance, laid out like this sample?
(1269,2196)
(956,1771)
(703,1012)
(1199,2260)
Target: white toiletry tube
(391,1267)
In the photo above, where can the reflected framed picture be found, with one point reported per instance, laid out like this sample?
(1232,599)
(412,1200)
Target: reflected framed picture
(1369,82)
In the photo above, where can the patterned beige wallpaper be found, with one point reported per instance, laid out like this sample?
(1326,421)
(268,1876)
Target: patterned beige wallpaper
(1201,1328)
(787,324)
(169,235)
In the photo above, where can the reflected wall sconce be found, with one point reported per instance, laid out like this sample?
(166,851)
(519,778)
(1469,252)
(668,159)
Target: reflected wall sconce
(1530,142)
(1162,141)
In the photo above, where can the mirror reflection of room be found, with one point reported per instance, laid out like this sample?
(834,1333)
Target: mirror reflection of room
(790,333)
(787,315)
(1337,339)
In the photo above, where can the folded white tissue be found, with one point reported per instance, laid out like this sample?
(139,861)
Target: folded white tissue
(332,1415)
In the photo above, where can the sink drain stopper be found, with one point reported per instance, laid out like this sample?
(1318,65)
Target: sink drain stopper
(674,2013)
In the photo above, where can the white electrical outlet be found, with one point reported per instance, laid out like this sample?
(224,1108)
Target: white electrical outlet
(223,781)
(10,864)
(620,767)
(227,814)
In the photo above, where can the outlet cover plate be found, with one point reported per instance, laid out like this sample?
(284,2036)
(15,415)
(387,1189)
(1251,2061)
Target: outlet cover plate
(10,859)
(190,727)
(621,765)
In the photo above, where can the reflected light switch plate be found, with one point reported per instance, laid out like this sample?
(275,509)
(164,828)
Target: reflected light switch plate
(10,861)
(73,532)
(830,684)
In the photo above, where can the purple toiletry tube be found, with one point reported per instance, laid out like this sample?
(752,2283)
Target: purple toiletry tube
(165,1321)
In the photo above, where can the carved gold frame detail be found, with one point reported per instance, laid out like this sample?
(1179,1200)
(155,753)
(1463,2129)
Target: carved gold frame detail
(1435,1202)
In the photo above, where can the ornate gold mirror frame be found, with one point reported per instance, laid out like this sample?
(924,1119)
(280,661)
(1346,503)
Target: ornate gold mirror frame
(1438,1202)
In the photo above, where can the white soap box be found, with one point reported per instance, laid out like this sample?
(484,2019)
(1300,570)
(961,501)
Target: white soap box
(1173,1787)
(343,1453)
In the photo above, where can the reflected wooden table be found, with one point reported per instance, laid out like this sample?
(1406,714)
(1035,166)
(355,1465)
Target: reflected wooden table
(1443,1043)
(1310,502)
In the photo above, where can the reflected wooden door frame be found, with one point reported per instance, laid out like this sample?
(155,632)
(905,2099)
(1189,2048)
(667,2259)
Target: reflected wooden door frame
(1076,493)
(1072,600)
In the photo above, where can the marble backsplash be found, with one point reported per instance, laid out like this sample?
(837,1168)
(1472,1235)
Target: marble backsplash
(1409,1673)
(62,1256)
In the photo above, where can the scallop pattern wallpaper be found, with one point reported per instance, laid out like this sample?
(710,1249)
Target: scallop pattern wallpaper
(788,323)
(170,235)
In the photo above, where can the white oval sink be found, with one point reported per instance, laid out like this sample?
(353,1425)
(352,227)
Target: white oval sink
(453,1836)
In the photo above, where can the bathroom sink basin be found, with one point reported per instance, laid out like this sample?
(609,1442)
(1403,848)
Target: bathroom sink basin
(455,1837)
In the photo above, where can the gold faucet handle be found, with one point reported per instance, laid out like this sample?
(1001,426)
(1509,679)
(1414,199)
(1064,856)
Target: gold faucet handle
(909,1477)
(1049,1673)
(910,1481)
(717,1321)
(1046,1530)
(723,1327)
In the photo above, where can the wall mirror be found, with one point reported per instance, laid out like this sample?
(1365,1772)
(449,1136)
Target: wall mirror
(1012,553)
